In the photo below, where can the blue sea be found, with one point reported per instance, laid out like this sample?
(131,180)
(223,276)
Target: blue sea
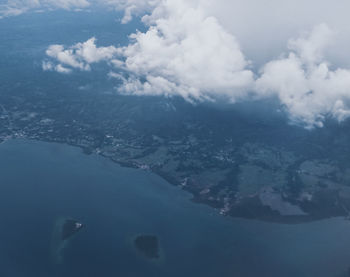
(40,182)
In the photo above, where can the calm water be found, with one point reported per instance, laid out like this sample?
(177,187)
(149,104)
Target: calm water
(40,182)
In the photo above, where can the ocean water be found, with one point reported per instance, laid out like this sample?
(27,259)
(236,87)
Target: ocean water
(40,182)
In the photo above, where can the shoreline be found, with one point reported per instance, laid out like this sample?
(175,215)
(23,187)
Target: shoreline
(263,213)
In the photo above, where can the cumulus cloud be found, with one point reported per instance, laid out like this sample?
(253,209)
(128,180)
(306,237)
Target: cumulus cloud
(79,56)
(188,51)
(184,53)
(17,7)
(132,8)
(304,82)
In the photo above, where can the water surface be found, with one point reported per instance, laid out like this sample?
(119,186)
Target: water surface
(40,182)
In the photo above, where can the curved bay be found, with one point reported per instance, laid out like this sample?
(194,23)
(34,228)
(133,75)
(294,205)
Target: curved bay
(40,182)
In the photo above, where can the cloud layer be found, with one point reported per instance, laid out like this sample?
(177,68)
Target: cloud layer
(17,7)
(187,51)
(130,8)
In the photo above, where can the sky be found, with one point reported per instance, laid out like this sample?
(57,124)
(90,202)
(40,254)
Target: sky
(232,50)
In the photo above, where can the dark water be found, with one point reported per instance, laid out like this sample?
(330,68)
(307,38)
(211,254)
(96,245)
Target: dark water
(40,182)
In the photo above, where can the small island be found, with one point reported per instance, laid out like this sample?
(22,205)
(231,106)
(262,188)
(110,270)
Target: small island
(63,230)
(147,245)
(70,227)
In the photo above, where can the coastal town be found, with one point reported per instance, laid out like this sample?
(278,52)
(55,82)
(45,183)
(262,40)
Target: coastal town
(258,169)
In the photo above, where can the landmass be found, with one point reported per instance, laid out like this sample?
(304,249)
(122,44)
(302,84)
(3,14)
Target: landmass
(148,246)
(63,230)
(243,164)
(70,227)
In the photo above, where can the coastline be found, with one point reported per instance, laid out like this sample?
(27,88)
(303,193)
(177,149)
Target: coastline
(250,210)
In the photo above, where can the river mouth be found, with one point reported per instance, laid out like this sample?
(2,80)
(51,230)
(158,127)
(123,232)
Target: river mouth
(42,181)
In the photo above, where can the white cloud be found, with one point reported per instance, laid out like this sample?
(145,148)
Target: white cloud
(131,8)
(78,56)
(185,53)
(67,4)
(311,47)
(61,69)
(189,49)
(49,66)
(17,7)
(263,27)
(304,82)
